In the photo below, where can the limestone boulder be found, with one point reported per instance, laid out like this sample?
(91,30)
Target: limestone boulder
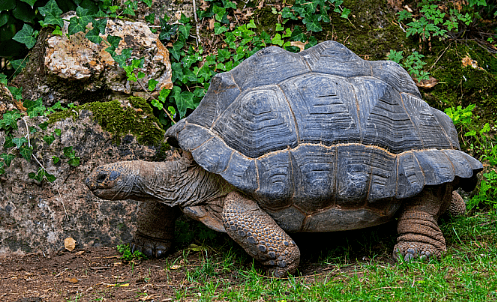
(36,216)
(73,69)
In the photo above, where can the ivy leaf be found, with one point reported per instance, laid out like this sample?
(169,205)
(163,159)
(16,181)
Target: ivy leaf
(52,12)
(279,27)
(148,2)
(24,13)
(34,108)
(312,23)
(9,120)
(26,36)
(184,100)
(277,40)
(16,92)
(94,36)
(219,11)
(50,177)
(26,152)
(30,2)
(113,41)
(8,142)
(98,28)
(69,152)
(150,18)
(298,35)
(229,4)
(55,159)
(218,29)
(7,158)
(58,132)
(251,24)
(121,59)
(19,141)
(163,94)
(101,24)
(43,126)
(77,24)
(3,79)
(74,161)
(152,83)
(49,139)
(57,31)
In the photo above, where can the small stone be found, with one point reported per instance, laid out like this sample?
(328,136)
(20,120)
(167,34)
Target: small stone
(262,248)
(272,255)
(286,243)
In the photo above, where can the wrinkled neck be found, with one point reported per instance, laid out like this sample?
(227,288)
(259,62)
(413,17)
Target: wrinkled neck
(179,182)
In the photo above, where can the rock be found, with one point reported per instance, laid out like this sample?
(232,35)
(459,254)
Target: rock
(77,70)
(37,216)
(7,101)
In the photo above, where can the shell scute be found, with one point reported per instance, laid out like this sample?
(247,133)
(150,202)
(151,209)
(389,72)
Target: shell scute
(258,122)
(325,108)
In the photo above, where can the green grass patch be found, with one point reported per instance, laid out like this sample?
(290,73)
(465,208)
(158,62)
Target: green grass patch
(467,272)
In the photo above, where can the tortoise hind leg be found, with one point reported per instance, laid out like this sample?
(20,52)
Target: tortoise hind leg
(419,234)
(259,235)
(457,206)
(155,229)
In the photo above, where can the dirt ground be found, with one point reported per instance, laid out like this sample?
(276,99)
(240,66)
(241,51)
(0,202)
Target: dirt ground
(98,273)
(95,273)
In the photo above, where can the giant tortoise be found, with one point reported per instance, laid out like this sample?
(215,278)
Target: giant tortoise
(316,141)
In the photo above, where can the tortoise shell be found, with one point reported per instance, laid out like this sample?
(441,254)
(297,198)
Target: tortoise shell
(323,129)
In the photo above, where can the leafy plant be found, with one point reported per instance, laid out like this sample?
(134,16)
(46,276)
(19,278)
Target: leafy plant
(412,63)
(127,255)
(314,12)
(478,139)
(21,146)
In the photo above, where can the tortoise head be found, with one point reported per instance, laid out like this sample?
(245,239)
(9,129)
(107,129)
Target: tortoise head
(115,181)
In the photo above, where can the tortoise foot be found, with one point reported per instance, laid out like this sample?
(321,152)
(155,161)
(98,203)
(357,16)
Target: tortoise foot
(151,247)
(419,237)
(412,250)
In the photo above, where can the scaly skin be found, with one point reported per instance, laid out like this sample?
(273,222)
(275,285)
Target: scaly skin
(419,234)
(163,187)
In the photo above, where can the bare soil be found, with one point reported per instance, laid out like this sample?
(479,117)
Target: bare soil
(98,273)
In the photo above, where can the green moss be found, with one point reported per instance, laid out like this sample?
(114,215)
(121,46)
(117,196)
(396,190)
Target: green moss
(460,85)
(137,120)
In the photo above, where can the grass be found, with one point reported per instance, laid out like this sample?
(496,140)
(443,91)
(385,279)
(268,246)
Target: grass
(467,272)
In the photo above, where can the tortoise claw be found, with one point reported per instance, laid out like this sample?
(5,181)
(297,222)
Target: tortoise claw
(151,247)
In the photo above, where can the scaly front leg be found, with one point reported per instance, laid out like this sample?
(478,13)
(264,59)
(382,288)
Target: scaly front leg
(155,229)
(259,235)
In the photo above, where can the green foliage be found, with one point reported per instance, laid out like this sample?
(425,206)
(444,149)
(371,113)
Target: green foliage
(314,12)
(127,255)
(440,21)
(21,146)
(412,63)
(479,140)
(26,36)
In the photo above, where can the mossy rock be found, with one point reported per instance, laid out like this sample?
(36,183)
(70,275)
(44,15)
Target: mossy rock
(137,120)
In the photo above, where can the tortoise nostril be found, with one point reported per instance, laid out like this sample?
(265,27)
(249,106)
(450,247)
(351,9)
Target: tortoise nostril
(101,177)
